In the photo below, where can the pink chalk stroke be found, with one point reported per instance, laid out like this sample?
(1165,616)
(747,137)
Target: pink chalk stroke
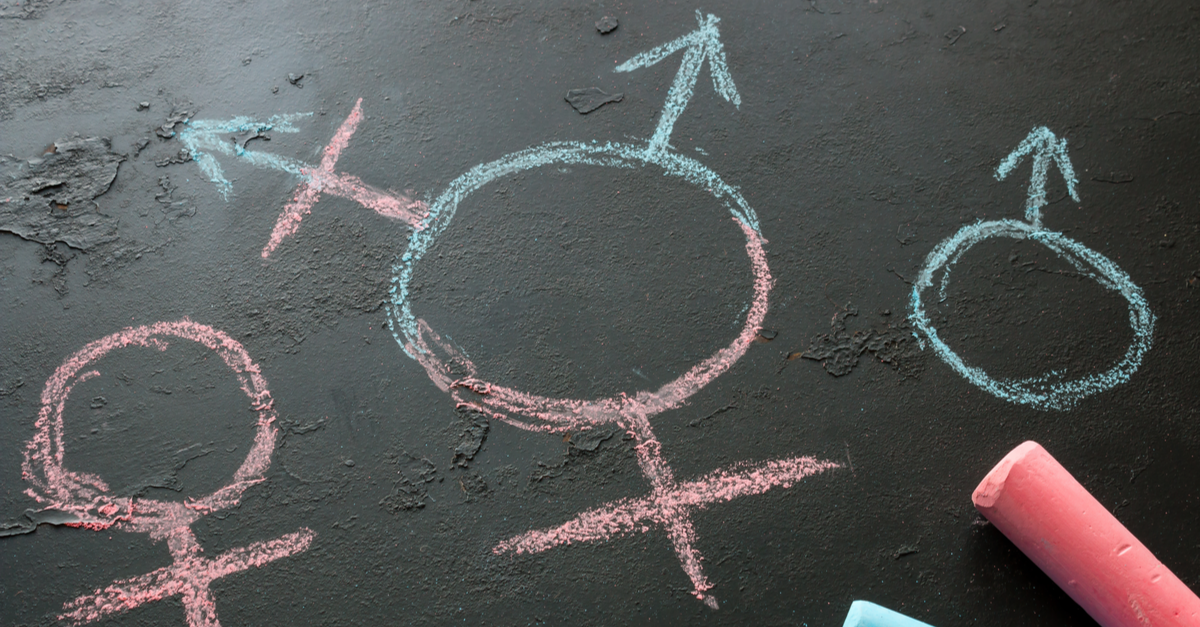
(669,506)
(671,503)
(87,496)
(189,577)
(323,180)
(440,359)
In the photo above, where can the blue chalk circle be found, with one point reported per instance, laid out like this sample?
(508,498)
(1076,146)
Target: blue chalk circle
(867,614)
(1051,390)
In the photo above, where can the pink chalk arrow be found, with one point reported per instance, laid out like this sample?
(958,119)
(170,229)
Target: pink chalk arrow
(323,180)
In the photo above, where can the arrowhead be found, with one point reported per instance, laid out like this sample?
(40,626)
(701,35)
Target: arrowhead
(706,40)
(1045,147)
(204,137)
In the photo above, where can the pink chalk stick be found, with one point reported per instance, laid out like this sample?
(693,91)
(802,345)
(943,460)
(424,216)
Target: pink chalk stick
(1034,501)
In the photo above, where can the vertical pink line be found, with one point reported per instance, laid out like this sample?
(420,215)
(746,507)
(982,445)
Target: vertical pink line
(676,519)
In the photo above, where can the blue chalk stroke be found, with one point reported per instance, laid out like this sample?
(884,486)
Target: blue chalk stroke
(867,614)
(702,44)
(1045,148)
(1050,390)
(203,137)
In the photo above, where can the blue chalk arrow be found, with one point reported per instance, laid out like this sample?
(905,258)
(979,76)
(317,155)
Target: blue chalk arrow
(867,614)
(702,44)
(1045,148)
(203,137)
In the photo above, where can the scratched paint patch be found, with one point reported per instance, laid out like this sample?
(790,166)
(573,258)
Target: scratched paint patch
(51,198)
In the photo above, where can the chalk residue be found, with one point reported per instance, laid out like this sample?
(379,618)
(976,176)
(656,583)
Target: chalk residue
(1046,391)
(323,180)
(702,44)
(671,503)
(86,496)
(669,506)
(203,136)
(436,355)
(189,577)
(1045,148)
(200,137)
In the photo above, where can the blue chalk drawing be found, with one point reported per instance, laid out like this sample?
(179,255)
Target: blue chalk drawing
(701,44)
(1048,391)
(202,137)
(867,614)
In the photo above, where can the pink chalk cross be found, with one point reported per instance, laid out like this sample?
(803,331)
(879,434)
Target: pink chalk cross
(323,180)
(189,576)
(670,503)
(88,498)
(669,506)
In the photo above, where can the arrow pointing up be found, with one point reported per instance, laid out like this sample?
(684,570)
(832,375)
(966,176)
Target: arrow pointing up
(702,44)
(1045,147)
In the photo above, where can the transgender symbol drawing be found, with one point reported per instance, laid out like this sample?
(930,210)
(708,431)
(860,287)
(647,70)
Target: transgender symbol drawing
(1048,391)
(87,497)
(671,502)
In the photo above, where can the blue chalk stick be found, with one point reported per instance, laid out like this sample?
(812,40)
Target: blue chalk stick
(867,614)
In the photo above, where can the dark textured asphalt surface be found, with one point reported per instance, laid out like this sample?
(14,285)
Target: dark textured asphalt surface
(868,132)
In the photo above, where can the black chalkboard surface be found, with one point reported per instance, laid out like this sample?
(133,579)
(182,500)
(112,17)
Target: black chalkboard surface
(503,313)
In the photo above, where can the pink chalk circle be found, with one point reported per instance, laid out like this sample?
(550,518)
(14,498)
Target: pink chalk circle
(425,346)
(671,502)
(1055,521)
(87,497)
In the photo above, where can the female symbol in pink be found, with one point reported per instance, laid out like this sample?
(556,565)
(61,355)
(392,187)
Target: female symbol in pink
(87,497)
(671,502)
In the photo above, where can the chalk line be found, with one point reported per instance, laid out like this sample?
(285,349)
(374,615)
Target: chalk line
(86,497)
(440,357)
(671,503)
(1047,391)
(323,180)
(669,506)
(1045,147)
(702,44)
(201,137)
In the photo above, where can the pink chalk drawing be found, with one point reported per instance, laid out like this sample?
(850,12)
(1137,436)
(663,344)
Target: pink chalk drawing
(87,496)
(323,180)
(203,137)
(671,502)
